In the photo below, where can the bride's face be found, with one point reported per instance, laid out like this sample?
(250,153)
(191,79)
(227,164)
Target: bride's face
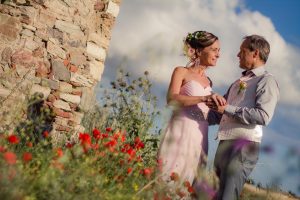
(209,55)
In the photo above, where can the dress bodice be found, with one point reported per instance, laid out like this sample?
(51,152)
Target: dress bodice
(194,88)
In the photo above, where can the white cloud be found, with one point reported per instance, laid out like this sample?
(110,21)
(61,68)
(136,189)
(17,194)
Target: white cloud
(150,32)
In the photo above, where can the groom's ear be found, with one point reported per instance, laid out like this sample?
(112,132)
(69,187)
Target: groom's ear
(256,53)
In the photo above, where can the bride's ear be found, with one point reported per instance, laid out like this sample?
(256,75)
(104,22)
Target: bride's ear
(198,52)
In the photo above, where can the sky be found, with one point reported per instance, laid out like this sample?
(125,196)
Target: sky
(148,36)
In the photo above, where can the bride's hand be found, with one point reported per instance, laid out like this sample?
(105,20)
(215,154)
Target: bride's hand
(215,100)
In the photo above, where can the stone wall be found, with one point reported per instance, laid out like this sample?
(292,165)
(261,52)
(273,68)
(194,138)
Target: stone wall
(57,48)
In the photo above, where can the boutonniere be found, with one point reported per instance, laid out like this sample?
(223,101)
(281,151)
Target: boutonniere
(242,86)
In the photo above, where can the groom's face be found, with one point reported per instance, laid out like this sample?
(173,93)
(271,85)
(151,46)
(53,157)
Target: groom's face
(246,56)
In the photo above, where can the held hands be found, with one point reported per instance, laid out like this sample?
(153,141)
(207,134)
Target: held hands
(216,102)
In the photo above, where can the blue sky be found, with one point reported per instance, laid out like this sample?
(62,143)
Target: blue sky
(148,36)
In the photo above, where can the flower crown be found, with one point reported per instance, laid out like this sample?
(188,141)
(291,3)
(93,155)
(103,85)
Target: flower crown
(197,35)
(187,49)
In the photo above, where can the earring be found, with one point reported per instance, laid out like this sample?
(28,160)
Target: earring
(197,62)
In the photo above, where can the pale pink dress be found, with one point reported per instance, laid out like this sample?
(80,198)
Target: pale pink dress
(185,139)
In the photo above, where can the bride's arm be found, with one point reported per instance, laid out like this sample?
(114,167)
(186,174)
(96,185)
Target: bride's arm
(173,96)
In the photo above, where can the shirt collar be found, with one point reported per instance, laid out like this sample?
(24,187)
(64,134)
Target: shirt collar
(257,71)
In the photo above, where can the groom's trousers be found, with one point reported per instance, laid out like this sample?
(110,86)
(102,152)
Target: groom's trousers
(234,161)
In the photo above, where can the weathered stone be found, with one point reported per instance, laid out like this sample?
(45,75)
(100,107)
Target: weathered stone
(45,19)
(98,39)
(57,34)
(30,44)
(77,117)
(59,71)
(81,80)
(96,69)
(31,28)
(87,99)
(65,87)
(21,70)
(62,105)
(77,57)
(70,98)
(61,121)
(44,90)
(42,70)
(54,85)
(6,54)
(61,113)
(42,33)
(4,92)
(99,6)
(68,27)
(9,27)
(26,32)
(58,9)
(113,9)
(22,57)
(96,51)
(38,52)
(56,50)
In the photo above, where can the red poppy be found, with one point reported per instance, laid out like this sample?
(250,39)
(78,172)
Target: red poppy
(174,176)
(138,144)
(27,157)
(29,144)
(104,135)
(187,184)
(10,158)
(45,134)
(131,152)
(123,137)
(129,170)
(85,138)
(96,134)
(113,142)
(69,145)
(59,152)
(108,129)
(191,189)
(13,139)
(2,149)
(146,172)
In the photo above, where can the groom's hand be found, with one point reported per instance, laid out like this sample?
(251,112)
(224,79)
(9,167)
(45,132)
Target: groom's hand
(216,102)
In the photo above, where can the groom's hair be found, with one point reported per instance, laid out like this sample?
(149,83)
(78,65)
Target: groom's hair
(257,42)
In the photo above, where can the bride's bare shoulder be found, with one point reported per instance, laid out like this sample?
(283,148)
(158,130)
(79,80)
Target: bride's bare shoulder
(180,70)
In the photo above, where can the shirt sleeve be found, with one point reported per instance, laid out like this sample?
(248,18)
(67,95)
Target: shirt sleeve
(267,96)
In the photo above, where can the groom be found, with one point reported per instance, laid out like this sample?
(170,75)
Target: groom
(251,101)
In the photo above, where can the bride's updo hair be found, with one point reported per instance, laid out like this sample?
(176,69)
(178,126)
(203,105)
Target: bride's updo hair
(200,39)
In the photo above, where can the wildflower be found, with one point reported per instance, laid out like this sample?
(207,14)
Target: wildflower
(180,193)
(13,139)
(104,135)
(242,86)
(108,129)
(191,189)
(123,137)
(174,176)
(69,145)
(27,157)
(59,152)
(138,144)
(85,139)
(46,134)
(147,172)
(187,184)
(10,158)
(96,134)
(29,144)
(2,149)
(113,142)
(129,170)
